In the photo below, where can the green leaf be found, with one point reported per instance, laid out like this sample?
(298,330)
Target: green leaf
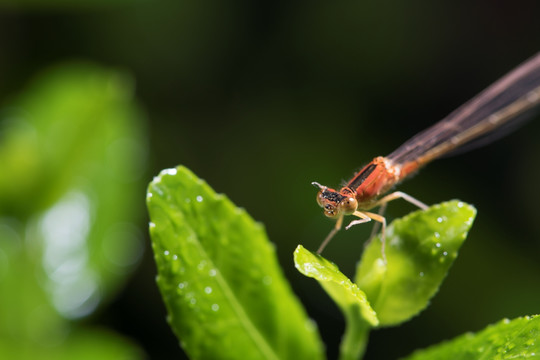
(516,339)
(337,285)
(352,301)
(89,344)
(74,125)
(420,248)
(219,277)
(72,153)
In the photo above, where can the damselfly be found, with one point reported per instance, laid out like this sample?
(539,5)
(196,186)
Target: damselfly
(501,106)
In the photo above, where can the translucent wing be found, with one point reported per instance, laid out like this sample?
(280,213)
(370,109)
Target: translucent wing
(491,114)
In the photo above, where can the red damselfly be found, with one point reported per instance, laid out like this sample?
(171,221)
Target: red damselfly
(499,107)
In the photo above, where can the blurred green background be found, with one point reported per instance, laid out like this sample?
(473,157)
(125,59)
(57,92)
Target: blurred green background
(259,99)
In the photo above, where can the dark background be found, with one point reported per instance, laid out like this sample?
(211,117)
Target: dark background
(261,98)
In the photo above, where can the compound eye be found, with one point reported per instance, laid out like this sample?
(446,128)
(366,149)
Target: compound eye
(348,205)
(330,211)
(320,199)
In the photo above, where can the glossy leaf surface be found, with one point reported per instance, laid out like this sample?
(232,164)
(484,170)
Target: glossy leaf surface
(420,248)
(505,340)
(219,276)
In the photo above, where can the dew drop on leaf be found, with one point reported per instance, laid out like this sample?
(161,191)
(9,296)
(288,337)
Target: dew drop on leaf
(171,171)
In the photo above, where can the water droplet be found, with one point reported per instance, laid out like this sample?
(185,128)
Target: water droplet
(445,253)
(151,225)
(201,265)
(212,272)
(170,171)
(440,219)
(199,198)
(215,307)
(460,204)
(438,245)
(437,235)
(208,290)
(149,195)
(421,274)
(166,253)
(193,301)
(182,285)
(175,257)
